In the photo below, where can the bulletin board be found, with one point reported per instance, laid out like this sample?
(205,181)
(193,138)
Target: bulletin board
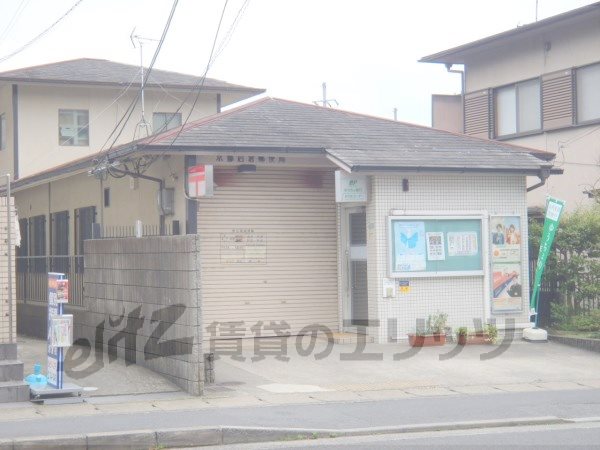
(435,246)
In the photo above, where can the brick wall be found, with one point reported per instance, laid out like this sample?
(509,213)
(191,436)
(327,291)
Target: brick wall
(5,317)
(142,301)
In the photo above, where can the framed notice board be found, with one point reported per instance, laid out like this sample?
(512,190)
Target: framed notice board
(435,246)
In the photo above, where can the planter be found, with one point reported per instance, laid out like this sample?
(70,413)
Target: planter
(426,340)
(474,339)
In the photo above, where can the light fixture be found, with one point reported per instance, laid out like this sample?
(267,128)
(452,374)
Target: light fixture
(246,168)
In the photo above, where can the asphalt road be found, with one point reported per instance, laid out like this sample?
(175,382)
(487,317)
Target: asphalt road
(579,436)
(564,404)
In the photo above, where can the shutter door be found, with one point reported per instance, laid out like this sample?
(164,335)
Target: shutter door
(557,99)
(269,250)
(477,114)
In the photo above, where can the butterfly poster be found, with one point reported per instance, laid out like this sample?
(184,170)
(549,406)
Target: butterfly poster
(409,246)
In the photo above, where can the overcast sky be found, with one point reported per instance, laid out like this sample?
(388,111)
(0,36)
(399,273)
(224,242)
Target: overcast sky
(366,51)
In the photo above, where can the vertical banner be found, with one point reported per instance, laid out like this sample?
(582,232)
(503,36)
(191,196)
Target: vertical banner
(554,209)
(55,308)
(507,292)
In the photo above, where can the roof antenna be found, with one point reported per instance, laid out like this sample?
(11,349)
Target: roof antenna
(326,101)
(143,123)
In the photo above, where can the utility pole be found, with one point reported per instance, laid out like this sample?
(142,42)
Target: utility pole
(326,101)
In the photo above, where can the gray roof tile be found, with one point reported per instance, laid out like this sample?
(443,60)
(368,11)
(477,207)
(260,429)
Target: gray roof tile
(104,72)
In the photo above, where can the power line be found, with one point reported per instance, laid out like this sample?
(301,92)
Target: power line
(129,111)
(14,19)
(43,33)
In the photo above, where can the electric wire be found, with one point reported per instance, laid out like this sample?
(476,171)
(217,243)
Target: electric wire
(42,34)
(14,19)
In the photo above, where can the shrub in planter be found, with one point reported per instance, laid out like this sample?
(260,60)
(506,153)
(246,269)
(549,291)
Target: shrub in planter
(433,334)
(488,335)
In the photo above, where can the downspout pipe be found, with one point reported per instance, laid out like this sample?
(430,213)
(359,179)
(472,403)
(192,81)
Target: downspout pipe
(161,186)
(463,88)
(543,175)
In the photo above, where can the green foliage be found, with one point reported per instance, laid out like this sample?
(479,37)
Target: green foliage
(573,266)
(436,323)
(492,331)
(559,315)
(587,322)
(462,331)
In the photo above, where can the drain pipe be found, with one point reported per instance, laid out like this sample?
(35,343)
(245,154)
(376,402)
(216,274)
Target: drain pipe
(543,175)
(463,89)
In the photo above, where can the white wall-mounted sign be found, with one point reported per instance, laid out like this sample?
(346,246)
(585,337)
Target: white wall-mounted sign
(200,181)
(350,187)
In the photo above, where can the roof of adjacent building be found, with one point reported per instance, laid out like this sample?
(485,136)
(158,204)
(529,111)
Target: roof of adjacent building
(458,55)
(354,141)
(89,71)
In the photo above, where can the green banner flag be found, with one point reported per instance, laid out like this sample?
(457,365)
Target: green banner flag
(554,208)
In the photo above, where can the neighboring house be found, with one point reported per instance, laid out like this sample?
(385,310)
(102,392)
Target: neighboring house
(537,85)
(276,247)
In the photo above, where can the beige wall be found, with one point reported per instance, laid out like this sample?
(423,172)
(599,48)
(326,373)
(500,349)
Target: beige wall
(577,149)
(570,46)
(126,204)
(446,113)
(38,119)
(6,155)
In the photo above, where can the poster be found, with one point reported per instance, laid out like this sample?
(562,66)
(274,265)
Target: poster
(462,243)
(243,246)
(435,246)
(409,246)
(506,238)
(389,288)
(507,288)
(404,286)
(61,330)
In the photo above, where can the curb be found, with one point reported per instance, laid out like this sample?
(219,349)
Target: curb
(222,435)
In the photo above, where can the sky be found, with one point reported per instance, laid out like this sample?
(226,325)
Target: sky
(366,51)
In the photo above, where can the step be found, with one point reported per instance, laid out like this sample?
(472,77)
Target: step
(11,370)
(8,351)
(14,391)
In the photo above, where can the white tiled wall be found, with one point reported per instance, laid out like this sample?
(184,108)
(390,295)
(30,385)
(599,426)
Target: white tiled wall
(462,298)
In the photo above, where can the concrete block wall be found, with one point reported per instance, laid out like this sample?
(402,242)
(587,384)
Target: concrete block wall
(5,309)
(145,293)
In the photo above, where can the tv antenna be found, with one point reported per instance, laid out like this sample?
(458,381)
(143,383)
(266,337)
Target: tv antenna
(140,40)
(326,102)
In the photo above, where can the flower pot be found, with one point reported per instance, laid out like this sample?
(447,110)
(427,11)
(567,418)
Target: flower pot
(426,340)
(474,339)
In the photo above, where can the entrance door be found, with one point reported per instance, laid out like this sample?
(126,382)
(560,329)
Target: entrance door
(356,310)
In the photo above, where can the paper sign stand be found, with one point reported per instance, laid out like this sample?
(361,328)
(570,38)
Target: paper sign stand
(60,335)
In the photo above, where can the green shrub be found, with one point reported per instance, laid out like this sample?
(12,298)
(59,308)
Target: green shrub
(560,315)
(587,321)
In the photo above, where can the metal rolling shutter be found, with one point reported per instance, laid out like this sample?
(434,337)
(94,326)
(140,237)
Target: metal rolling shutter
(295,278)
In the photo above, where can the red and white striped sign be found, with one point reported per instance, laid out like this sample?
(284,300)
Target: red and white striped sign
(200,181)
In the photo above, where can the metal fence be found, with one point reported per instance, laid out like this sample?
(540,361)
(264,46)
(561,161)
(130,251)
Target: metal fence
(32,277)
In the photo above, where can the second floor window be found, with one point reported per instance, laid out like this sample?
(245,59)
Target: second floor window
(518,108)
(165,121)
(588,93)
(73,127)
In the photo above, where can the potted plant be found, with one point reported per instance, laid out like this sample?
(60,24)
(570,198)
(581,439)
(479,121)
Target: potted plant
(433,334)
(487,335)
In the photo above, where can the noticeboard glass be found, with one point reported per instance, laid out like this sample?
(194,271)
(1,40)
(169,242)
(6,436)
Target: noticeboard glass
(435,246)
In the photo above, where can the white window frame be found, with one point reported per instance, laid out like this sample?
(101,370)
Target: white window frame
(167,121)
(76,140)
(515,87)
(577,92)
